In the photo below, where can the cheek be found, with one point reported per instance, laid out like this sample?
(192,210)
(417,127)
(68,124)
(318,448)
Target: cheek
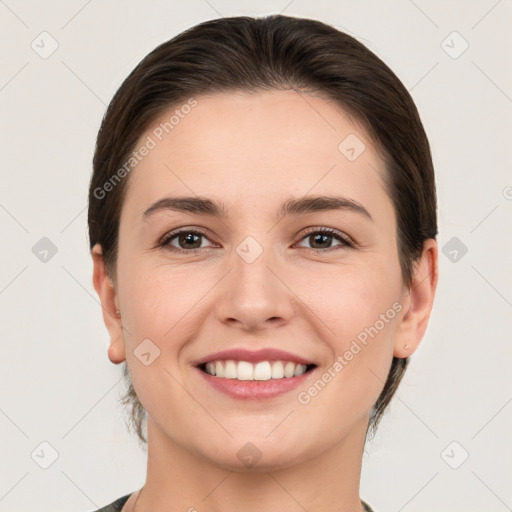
(361,309)
(352,298)
(155,320)
(156,300)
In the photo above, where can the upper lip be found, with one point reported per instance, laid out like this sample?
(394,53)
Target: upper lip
(253,356)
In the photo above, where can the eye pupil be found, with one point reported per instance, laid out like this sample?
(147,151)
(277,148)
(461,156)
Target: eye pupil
(323,237)
(189,238)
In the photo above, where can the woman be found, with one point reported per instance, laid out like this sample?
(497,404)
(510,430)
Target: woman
(262,220)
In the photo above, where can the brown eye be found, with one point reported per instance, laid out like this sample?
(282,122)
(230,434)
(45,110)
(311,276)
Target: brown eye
(321,239)
(185,241)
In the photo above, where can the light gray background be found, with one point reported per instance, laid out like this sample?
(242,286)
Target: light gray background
(57,384)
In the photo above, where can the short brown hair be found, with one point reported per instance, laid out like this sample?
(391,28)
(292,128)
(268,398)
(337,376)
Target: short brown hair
(271,53)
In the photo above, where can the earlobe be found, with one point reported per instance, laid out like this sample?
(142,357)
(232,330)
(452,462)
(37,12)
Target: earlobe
(420,299)
(109,305)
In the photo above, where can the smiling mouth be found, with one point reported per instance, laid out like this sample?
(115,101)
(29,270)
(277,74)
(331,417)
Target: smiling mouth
(263,370)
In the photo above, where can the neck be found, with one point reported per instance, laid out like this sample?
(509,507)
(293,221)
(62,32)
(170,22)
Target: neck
(180,480)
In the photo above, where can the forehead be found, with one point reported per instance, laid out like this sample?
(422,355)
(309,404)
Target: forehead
(262,147)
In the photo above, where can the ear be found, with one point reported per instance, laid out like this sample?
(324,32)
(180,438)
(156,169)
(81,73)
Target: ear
(418,301)
(109,304)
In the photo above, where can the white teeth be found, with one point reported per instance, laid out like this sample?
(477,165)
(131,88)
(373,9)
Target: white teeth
(289,369)
(219,369)
(277,370)
(230,370)
(299,370)
(264,370)
(245,371)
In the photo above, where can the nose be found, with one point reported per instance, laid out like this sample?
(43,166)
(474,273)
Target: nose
(254,294)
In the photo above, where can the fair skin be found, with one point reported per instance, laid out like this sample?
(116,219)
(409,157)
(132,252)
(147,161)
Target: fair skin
(252,152)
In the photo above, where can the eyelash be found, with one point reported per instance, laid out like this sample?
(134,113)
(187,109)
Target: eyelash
(345,241)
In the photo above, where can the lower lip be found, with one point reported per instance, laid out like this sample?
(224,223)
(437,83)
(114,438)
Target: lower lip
(255,389)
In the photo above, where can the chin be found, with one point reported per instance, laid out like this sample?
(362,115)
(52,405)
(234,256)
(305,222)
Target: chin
(264,465)
(256,456)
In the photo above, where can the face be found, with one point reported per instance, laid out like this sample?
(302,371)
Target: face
(193,284)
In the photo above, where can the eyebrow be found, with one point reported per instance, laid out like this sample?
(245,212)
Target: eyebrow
(292,206)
